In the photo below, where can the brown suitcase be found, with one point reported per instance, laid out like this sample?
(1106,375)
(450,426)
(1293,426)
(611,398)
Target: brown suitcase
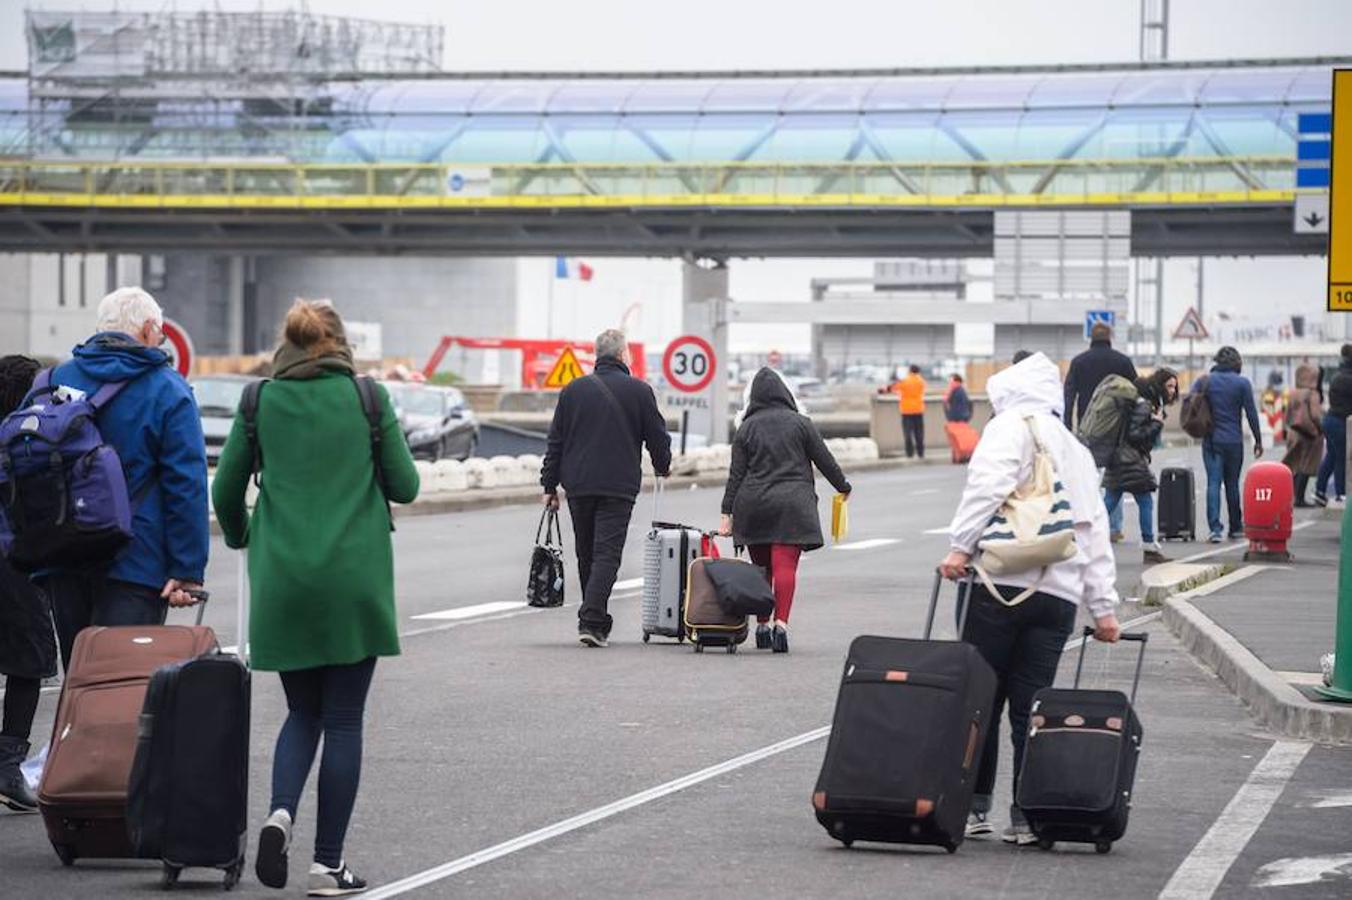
(83,793)
(707,624)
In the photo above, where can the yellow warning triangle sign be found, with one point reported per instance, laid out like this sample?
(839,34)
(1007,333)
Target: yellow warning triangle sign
(1191,328)
(566,369)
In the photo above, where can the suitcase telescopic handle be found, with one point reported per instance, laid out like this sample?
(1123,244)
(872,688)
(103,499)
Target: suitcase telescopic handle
(200,598)
(657,496)
(1139,637)
(963,601)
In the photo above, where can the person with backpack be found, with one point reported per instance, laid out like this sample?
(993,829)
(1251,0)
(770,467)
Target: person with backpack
(601,423)
(1334,466)
(770,502)
(321,569)
(27,646)
(1304,431)
(1089,368)
(1218,403)
(146,412)
(1128,470)
(1021,620)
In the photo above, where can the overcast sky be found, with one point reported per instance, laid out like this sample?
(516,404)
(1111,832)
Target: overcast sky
(738,34)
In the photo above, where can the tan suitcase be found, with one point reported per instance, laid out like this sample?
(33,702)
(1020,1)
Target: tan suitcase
(83,793)
(707,624)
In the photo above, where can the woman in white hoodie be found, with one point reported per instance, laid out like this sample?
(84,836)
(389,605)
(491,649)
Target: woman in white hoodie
(1023,642)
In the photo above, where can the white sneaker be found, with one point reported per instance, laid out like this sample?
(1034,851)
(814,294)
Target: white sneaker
(339,882)
(273,843)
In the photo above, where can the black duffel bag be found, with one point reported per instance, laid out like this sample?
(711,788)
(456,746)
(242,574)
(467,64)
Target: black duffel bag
(741,588)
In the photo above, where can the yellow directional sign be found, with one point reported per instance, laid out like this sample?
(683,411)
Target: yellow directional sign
(1340,195)
(565,370)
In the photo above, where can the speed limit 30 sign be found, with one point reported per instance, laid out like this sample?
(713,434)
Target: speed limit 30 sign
(689,364)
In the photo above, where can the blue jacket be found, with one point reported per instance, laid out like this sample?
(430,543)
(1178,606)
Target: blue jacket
(1231,398)
(156,429)
(958,407)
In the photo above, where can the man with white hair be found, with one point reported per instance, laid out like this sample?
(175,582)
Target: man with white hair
(154,426)
(600,425)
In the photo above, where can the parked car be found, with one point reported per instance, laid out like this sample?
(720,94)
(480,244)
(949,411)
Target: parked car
(437,422)
(217,402)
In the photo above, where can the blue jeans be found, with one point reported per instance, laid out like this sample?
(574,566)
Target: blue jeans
(327,701)
(81,599)
(1223,463)
(1145,504)
(1114,516)
(1335,457)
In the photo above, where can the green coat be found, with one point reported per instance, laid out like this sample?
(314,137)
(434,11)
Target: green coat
(321,565)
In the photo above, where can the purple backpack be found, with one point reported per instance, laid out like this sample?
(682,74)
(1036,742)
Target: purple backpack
(63,492)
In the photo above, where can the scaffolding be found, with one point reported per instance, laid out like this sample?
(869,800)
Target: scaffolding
(255,85)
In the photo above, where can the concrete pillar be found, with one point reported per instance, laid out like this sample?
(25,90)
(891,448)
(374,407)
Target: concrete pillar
(234,301)
(704,299)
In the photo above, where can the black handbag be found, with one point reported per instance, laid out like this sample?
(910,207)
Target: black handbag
(741,588)
(545,587)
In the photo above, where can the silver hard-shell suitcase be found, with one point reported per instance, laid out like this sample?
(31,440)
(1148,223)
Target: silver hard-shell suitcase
(667,553)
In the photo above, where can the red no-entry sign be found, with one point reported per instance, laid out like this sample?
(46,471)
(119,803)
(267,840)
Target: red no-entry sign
(179,347)
(689,364)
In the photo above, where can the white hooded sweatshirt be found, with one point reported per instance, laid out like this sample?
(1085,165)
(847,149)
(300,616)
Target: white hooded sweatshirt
(1004,459)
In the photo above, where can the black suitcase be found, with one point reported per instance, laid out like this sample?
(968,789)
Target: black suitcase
(1079,765)
(1177,506)
(905,746)
(188,793)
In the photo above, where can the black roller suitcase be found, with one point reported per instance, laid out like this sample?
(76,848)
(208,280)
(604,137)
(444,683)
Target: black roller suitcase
(1079,766)
(910,721)
(188,793)
(1177,506)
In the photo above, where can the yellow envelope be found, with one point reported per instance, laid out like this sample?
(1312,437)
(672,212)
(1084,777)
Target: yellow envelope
(840,517)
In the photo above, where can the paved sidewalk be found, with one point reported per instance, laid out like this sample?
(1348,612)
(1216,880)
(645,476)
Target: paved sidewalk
(1264,627)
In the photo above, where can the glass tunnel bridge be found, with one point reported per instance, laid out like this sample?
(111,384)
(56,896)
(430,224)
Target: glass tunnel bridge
(880,163)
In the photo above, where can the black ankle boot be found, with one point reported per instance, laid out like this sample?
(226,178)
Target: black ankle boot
(14,791)
(779,641)
(762,636)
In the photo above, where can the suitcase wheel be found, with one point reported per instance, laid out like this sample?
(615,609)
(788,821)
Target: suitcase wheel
(699,648)
(232,875)
(732,648)
(1046,844)
(1103,846)
(951,847)
(65,853)
(169,877)
(646,637)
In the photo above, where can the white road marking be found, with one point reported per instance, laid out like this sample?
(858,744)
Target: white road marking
(470,612)
(1303,870)
(1310,679)
(1232,546)
(628,584)
(923,491)
(1205,867)
(869,544)
(473,860)
(1332,801)
(549,832)
(943,530)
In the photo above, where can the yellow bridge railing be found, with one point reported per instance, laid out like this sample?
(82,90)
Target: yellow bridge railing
(1104,182)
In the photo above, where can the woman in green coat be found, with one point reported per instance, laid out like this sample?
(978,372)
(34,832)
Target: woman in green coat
(321,573)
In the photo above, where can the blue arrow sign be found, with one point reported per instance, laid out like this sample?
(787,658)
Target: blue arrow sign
(1093,317)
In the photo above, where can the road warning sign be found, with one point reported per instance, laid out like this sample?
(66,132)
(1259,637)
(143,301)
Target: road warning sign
(1340,196)
(1191,328)
(566,370)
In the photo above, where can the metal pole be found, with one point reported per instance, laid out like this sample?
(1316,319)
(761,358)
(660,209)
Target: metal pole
(1201,307)
(1341,688)
(1159,311)
(242,606)
(685,428)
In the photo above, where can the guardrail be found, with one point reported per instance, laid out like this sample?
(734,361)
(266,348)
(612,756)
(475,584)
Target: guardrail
(1106,182)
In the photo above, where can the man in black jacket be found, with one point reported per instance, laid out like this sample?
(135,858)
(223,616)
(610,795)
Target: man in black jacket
(1090,368)
(600,425)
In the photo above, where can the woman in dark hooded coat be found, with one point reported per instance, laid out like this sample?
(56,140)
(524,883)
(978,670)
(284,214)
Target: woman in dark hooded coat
(1129,470)
(770,504)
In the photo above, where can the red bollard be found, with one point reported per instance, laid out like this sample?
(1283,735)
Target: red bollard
(1269,497)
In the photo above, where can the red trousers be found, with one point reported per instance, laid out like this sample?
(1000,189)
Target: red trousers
(782,561)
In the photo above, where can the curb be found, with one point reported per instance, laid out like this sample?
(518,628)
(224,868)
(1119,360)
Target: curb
(524,495)
(1187,577)
(1272,701)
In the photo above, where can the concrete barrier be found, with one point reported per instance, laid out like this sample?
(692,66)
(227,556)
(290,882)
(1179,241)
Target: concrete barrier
(449,476)
(480,474)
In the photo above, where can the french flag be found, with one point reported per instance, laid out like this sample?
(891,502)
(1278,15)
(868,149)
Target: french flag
(561,269)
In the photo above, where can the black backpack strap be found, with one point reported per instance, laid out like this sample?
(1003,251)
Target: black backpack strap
(374,410)
(248,410)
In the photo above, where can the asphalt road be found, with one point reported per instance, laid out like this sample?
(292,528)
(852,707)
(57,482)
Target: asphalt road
(495,731)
